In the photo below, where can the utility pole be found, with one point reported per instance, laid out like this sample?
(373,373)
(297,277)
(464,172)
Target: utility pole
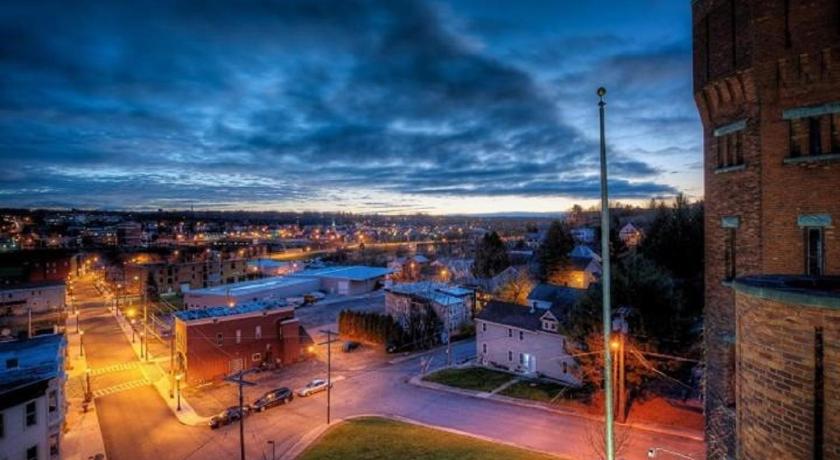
(239,379)
(145,343)
(328,343)
(609,447)
(448,335)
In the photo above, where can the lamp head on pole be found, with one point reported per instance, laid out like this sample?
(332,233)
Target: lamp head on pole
(601,92)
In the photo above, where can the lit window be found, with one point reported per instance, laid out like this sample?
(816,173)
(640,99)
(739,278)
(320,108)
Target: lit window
(258,332)
(239,336)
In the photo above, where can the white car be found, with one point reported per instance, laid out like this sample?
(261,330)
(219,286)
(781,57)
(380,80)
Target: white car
(313,387)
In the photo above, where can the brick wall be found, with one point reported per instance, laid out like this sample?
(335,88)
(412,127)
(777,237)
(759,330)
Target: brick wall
(776,379)
(753,60)
(208,358)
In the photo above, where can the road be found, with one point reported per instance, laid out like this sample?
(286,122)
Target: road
(136,423)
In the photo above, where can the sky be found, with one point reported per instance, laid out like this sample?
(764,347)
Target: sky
(398,106)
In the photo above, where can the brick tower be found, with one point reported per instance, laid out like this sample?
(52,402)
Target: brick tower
(767,86)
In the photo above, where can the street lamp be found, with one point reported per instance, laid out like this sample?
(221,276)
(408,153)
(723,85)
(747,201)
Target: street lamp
(81,343)
(178,378)
(88,392)
(605,286)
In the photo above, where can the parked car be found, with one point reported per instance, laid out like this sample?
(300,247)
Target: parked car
(313,387)
(228,416)
(312,297)
(273,398)
(350,345)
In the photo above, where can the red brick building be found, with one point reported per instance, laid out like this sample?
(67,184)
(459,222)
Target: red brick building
(215,342)
(767,86)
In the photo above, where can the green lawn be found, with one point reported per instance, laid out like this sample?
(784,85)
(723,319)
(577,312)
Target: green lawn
(471,378)
(374,438)
(538,390)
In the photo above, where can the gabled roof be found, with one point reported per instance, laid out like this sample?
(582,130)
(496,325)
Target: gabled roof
(557,295)
(518,316)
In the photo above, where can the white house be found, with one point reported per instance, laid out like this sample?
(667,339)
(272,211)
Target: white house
(525,340)
(32,404)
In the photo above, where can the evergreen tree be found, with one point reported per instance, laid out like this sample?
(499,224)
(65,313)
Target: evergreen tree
(553,253)
(491,256)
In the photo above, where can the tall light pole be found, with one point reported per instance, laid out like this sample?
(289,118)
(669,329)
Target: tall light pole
(328,343)
(81,343)
(609,439)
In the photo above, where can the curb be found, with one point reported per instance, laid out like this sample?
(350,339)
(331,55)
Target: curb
(187,415)
(310,438)
(417,380)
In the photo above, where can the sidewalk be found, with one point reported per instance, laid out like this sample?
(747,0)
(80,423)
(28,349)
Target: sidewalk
(159,377)
(417,380)
(82,435)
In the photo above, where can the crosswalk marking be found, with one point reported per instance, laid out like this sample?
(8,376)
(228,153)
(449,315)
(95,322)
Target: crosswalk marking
(125,386)
(115,368)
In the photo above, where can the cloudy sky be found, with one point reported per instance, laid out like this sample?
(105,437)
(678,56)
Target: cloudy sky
(461,106)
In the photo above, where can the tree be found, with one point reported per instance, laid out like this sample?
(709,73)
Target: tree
(675,238)
(491,256)
(637,283)
(553,253)
(517,289)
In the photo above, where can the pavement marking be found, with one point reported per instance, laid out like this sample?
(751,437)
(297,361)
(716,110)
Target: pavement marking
(119,367)
(125,386)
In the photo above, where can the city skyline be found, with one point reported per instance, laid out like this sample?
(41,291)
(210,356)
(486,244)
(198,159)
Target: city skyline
(455,107)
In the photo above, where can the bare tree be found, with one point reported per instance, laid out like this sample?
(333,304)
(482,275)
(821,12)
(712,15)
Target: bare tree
(516,290)
(596,439)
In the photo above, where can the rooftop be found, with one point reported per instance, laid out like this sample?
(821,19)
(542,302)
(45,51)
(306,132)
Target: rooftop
(515,315)
(560,295)
(218,312)
(805,290)
(39,358)
(352,272)
(250,287)
(443,294)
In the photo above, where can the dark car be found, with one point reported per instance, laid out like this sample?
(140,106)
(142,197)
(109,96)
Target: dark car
(350,345)
(273,398)
(228,416)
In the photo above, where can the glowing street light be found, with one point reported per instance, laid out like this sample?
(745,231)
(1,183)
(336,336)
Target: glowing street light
(178,378)
(81,343)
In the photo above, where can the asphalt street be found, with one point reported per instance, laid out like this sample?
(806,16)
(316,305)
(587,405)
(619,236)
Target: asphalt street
(136,423)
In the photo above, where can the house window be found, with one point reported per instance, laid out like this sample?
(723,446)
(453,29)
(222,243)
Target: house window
(729,254)
(483,327)
(521,335)
(258,332)
(510,332)
(814,136)
(31,413)
(54,444)
(565,367)
(814,251)
(53,401)
(256,357)
(510,355)
(239,336)
(484,348)
(219,339)
(521,358)
(32,453)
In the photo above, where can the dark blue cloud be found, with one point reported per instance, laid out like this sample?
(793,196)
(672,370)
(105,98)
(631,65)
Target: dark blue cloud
(251,104)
